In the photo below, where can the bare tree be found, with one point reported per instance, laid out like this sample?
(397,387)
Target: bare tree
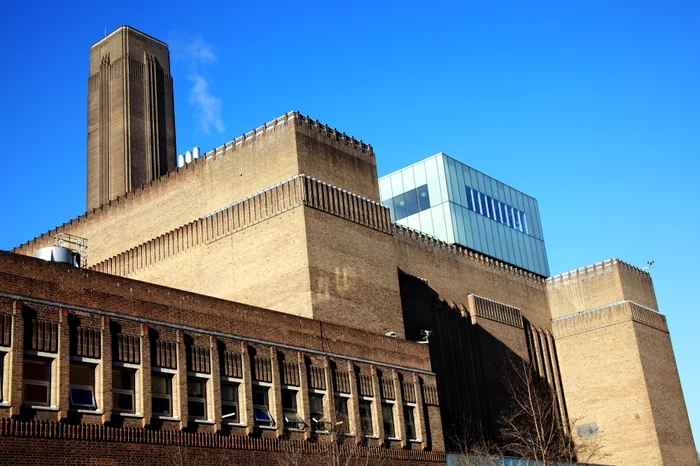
(469,441)
(532,429)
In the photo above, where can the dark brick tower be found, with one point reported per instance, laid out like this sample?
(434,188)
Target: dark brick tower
(131,117)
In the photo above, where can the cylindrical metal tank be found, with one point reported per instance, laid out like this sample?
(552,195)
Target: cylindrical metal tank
(57,254)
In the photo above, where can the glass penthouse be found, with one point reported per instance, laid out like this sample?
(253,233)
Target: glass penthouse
(457,204)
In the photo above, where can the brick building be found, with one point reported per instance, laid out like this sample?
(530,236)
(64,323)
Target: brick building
(304,305)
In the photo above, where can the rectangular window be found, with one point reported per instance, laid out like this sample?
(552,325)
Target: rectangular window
(37,382)
(2,374)
(489,205)
(229,401)
(388,420)
(123,390)
(470,201)
(411,202)
(318,419)
(509,216)
(366,417)
(261,407)
(162,394)
(516,217)
(423,197)
(400,206)
(484,205)
(497,205)
(342,417)
(197,398)
(292,419)
(410,421)
(82,386)
(389,203)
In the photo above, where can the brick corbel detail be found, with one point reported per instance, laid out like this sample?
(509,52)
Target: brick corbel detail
(215,390)
(378,420)
(419,415)
(399,420)
(105,368)
(354,407)
(62,365)
(303,390)
(145,377)
(16,359)
(276,391)
(182,378)
(247,398)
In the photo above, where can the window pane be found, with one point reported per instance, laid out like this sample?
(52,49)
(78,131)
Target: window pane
(196,409)
(196,388)
(316,404)
(81,397)
(489,205)
(289,399)
(80,374)
(470,201)
(423,197)
(366,417)
(262,415)
(37,394)
(122,379)
(161,405)
(36,370)
(400,206)
(411,202)
(498,210)
(229,412)
(229,392)
(160,384)
(388,418)
(410,422)
(123,402)
(260,396)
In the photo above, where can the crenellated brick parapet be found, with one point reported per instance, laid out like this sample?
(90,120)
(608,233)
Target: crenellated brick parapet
(139,435)
(592,271)
(283,197)
(464,252)
(605,316)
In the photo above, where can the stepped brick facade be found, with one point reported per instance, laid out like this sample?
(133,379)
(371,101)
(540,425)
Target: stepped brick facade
(269,264)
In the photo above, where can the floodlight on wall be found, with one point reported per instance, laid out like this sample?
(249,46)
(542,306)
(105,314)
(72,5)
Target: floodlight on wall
(390,334)
(650,264)
(426,336)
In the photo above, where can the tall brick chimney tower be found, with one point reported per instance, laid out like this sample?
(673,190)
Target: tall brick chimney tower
(131,116)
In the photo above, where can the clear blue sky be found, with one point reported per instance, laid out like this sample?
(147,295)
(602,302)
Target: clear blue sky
(592,107)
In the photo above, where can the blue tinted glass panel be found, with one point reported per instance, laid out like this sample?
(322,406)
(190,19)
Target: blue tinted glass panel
(523,219)
(489,206)
(498,211)
(482,204)
(411,197)
(470,201)
(423,197)
(516,217)
(400,206)
(389,203)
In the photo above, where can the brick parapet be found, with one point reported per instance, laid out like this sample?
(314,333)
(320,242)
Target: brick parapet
(467,253)
(612,314)
(137,435)
(35,280)
(593,270)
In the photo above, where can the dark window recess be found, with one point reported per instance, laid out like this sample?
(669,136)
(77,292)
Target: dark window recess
(262,369)
(232,364)
(317,377)
(261,407)
(86,342)
(290,373)
(318,419)
(162,394)
(43,336)
(165,354)
(470,200)
(366,387)
(409,203)
(388,420)
(341,413)
(292,419)
(229,401)
(82,386)
(127,348)
(123,393)
(196,398)
(342,381)
(5,329)
(36,382)
(387,386)
(409,420)
(366,417)
(199,359)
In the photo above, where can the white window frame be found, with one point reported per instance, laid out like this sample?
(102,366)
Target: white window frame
(264,408)
(417,438)
(121,391)
(202,379)
(92,365)
(371,401)
(238,383)
(49,358)
(347,398)
(169,375)
(391,403)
